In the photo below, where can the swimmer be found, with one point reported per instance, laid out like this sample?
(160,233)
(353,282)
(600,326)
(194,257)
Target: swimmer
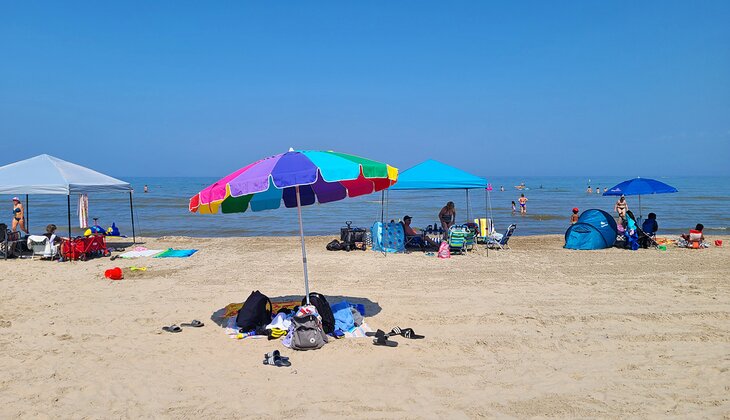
(514,208)
(574,216)
(589,190)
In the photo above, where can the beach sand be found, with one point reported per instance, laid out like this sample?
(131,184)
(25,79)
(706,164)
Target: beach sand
(533,331)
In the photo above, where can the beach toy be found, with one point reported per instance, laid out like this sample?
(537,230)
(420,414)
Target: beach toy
(718,242)
(133,268)
(114,273)
(662,247)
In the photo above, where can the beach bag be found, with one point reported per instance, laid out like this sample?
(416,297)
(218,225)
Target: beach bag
(307,333)
(335,245)
(255,312)
(324,310)
(444,251)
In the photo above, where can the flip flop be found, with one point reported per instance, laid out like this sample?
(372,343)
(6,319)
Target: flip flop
(383,341)
(172,329)
(275,353)
(405,333)
(277,361)
(194,323)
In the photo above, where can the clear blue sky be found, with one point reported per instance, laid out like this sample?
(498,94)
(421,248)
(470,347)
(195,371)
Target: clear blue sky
(536,88)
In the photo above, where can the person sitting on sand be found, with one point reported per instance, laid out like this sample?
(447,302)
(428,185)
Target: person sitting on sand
(621,207)
(695,235)
(413,236)
(574,216)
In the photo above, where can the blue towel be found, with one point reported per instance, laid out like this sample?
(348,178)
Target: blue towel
(176,253)
(343,316)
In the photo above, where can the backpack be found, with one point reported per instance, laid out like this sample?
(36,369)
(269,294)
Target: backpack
(324,310)
(335,245)
(254,312)
(307,333)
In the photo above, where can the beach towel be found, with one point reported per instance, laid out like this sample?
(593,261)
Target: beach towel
(176,253)
(231,310)
(138,254)
(83,211)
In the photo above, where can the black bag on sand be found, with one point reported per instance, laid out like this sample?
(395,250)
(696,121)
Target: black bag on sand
(323,307)
(335,245)
(255,312)
(307,333)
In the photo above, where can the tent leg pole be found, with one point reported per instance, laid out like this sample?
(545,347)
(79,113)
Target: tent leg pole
(27,214)
(68,207)
(304,249)
(131,212)
(486,216)
(467,206)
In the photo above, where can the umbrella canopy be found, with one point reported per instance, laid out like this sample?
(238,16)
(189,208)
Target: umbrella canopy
(296,178)
(322,177)
(641,186)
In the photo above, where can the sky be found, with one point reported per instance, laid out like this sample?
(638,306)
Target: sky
(185,88)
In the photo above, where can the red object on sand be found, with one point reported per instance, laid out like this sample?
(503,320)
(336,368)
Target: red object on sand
(718,242)
(114,273)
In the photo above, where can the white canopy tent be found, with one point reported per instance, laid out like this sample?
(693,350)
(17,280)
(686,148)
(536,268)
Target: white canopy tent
(48,175)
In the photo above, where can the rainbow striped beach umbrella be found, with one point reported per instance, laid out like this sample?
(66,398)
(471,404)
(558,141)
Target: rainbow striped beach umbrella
(297,178)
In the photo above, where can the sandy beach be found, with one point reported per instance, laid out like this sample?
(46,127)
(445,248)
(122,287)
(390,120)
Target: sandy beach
(533,331)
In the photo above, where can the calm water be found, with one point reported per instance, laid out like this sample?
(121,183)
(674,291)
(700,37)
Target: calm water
(163,211)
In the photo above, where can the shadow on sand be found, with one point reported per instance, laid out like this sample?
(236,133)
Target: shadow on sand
(371,308)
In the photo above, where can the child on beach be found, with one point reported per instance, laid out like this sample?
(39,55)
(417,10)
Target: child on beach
(574,216)
(523,204)
(514,208)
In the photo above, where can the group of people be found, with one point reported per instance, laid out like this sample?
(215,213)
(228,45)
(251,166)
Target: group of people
(589,190)
(447,218)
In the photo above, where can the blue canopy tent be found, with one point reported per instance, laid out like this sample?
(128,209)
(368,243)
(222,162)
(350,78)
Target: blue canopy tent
(434,175)
(595,229)
(640,186)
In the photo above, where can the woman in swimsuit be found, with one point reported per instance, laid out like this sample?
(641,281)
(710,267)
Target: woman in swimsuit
(523,204)
(621,207)
(447,216)
(18,216)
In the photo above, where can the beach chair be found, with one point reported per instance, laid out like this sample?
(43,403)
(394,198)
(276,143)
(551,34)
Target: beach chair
(42,246)
(503,242)
(485,228)
(8,241)
(459,239)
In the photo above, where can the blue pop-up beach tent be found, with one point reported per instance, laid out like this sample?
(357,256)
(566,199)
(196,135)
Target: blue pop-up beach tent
(595,229)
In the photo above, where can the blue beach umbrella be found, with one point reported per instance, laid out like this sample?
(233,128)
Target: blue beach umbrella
(640,186)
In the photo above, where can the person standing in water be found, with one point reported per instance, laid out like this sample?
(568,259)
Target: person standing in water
(523,204)
(589,190)
(574,216)
(514,208)
(18,216)
(145,188)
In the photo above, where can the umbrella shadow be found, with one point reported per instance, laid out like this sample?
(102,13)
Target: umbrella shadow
(371,308)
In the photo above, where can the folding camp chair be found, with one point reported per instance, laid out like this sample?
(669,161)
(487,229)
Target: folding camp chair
(502,243)
(8,241)
(485,228)
(460,239)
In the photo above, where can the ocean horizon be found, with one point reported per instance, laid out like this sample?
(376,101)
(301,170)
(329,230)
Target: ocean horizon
(163,211)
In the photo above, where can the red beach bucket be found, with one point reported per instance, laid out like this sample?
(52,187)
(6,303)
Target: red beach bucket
(718,242)
(114,273)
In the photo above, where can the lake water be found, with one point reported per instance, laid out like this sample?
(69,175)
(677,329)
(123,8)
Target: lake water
(164,210)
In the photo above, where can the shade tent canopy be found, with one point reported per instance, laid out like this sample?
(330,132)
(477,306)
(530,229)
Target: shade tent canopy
(434,175)
(45,174)
(48,175)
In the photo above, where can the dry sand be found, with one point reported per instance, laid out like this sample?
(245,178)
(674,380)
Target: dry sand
(533,331)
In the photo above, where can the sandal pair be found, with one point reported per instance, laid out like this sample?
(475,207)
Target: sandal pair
(176,329)
(276,359)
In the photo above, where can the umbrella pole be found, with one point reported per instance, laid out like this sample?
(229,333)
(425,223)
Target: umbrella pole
(486,216)
(639,208)
(304,249)
(382,222)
